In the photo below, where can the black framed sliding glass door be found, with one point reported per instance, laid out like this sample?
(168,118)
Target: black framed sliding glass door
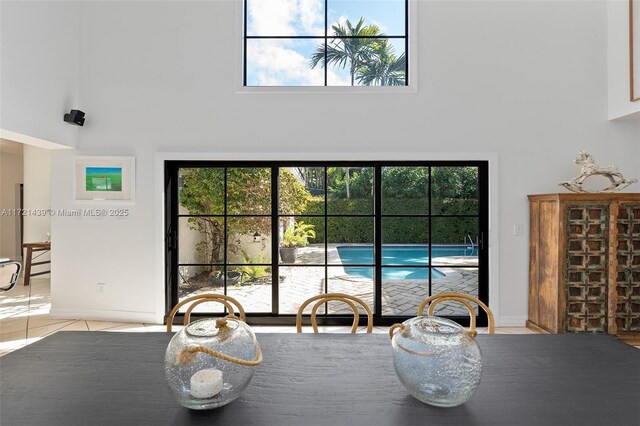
(272,234)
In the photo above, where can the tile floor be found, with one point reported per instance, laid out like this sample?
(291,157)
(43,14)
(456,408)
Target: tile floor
(24,319)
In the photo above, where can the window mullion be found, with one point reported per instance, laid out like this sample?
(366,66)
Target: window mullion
(406,43)
(429,188)
(275,241)
(326,44)
(226,231)
(377,282)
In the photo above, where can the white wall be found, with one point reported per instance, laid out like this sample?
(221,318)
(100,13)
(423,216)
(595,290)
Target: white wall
(10,178)
(38,71)
(37,193)
(620,104)
(522,81)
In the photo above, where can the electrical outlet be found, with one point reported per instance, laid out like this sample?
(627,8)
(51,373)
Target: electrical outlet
(100,287)
(518,229)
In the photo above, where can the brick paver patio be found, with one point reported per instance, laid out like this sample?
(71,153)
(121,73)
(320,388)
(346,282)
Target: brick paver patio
(399,297)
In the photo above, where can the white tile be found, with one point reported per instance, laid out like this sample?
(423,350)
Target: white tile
(44,320)
(46,330)
(17,291)
(13,312)
(15,301)
(102,325)
(13,337)
(78,325)
(139,328)
(13,324)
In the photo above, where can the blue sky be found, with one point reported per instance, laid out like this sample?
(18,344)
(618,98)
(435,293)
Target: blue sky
(283,62)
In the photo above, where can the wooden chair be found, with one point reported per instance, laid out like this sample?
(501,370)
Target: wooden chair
(339,297)
(228,302)
(432,301)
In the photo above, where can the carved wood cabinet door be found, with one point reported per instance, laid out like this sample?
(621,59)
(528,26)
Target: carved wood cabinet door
(584,264)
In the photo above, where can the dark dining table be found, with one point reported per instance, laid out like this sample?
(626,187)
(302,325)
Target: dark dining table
(112,378)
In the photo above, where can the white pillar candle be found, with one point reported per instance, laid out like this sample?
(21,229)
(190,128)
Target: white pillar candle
(206,383)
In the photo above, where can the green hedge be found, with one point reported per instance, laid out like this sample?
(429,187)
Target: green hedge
(398,230)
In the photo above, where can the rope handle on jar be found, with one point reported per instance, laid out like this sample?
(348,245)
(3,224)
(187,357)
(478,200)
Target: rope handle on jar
(188,354)
(405,331)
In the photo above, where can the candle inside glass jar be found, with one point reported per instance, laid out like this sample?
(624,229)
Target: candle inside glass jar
(206,383)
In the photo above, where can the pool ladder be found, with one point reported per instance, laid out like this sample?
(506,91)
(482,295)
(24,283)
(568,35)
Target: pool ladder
(473,245)
(478,244)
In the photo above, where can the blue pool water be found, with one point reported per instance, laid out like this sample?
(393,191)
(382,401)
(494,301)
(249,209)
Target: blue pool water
(401,257)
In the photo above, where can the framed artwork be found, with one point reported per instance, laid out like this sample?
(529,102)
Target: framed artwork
(105,179)
(634,48)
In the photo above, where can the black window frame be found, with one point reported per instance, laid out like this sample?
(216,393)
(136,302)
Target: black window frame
(275,318)
(325,40)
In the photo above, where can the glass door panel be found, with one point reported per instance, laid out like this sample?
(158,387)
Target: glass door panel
(301,240)
(455,190)
(403,289)
(460,280)
(201,191)
(224,234)
(297,284)
(350,190)
(248,191)
(405,190)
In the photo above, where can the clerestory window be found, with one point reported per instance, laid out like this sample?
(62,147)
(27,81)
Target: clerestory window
(326,43)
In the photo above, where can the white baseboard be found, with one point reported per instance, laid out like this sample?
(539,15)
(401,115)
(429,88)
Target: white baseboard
(104,315)
(506,321)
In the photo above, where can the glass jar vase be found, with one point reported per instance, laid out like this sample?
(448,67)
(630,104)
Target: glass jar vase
(209,363)
(436,360)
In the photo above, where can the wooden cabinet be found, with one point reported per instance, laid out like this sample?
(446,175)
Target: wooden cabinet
(584,263)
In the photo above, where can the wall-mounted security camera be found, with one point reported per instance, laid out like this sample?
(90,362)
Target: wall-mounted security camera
(75,116)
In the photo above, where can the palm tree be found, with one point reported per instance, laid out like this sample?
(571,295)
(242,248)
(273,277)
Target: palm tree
(382,67)
(347,178)
(352,46)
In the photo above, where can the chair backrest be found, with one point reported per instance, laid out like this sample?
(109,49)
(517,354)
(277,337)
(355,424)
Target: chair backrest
(13,278)
(432,301)
(229,302)
(339,297)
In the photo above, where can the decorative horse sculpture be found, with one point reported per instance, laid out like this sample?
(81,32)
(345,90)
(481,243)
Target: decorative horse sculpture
(589,168)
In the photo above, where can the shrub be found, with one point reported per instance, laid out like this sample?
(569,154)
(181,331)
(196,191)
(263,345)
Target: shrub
(397,230)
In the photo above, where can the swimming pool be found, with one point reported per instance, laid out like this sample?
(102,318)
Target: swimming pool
(401,257)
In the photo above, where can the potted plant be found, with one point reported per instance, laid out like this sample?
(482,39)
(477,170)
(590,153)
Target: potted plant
(296,235)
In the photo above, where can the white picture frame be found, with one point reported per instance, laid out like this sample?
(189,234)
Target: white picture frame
(105,179)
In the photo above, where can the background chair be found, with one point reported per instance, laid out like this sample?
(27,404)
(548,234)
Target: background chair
(339,297)
(228,302)
(12,279)
(434,300)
